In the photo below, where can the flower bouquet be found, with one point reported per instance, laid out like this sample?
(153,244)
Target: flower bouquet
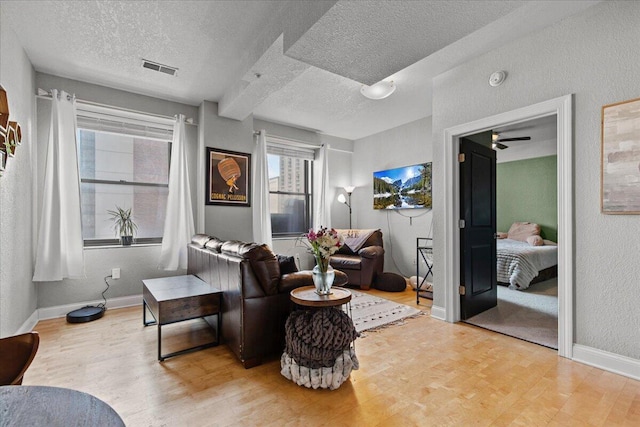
(322,244)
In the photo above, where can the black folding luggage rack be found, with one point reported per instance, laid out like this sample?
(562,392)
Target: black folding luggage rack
(424,250)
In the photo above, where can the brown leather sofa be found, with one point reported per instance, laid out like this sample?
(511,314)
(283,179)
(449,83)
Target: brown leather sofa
(255,298)
(362,266)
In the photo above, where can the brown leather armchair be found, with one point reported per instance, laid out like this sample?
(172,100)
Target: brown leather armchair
(362,266)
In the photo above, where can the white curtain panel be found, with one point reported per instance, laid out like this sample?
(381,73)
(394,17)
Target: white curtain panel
(322,211)
(59,253)
(178,222)
(261,208)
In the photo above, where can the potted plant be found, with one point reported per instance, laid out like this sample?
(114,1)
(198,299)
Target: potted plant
(123,225)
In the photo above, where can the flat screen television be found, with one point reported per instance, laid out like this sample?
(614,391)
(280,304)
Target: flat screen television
(408,187)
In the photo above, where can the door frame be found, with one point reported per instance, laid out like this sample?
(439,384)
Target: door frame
(562,108)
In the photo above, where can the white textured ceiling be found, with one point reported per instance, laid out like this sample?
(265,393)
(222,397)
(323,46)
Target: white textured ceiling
(368,41)
(311,57)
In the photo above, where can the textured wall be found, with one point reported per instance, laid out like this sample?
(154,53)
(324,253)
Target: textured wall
(17,293)
(226,222)
(405,145)
(136,263)
(593,55)
(526,190)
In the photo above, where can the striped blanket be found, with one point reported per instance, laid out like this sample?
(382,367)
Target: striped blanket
(519,263)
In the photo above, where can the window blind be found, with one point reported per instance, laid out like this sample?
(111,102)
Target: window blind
(114,126)
(286,150)
(101,119)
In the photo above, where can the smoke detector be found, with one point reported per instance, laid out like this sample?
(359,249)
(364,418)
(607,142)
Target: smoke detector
(155,66)
(497,78)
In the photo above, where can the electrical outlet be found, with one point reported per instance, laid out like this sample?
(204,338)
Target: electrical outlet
(115,273)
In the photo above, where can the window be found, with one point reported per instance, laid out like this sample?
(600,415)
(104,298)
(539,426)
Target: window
(290,184)
(125,171)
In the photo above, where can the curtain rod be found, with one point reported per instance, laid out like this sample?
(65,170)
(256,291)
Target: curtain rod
(42,94)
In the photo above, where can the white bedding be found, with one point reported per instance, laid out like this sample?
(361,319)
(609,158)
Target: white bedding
(519,262)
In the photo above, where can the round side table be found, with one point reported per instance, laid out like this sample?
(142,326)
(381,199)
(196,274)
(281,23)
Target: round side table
(307,296)
(321,377)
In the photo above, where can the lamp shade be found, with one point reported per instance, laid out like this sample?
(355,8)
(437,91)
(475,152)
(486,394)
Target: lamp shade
(380,90)
(349,189)
(341,198)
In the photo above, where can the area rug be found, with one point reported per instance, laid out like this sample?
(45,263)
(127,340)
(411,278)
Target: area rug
(531,315)
(369,312)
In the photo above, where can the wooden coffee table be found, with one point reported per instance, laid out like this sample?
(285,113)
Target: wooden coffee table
(180,298)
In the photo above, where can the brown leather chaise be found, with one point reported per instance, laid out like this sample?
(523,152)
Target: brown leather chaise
(363,265)
(255,295)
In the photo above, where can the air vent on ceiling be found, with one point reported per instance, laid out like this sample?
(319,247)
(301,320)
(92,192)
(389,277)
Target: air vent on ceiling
(159,67)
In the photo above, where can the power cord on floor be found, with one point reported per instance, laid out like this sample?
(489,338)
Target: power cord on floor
(103,306)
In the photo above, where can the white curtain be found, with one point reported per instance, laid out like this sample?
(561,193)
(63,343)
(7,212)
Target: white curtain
(261,209)
(178,221)
(59,253)
(321,196)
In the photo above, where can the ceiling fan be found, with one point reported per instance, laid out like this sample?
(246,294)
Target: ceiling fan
(496,141)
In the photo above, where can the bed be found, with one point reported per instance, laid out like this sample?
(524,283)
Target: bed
(520,264)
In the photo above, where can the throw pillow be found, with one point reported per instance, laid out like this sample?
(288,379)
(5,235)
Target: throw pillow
(287,264)
(535,241)
(521,230)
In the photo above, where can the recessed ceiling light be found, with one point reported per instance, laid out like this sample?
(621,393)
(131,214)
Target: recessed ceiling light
(380,90)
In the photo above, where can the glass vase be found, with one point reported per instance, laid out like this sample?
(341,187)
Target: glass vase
(323,280)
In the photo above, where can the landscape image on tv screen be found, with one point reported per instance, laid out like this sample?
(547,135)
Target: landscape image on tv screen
(408,187)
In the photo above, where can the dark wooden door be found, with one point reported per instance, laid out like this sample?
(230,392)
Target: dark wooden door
(478,277)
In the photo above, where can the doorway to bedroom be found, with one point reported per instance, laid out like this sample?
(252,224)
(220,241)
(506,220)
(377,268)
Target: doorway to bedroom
(448,240)
(527,231)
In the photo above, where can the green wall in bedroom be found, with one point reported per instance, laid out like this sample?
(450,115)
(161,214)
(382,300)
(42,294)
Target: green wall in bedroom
(526,190)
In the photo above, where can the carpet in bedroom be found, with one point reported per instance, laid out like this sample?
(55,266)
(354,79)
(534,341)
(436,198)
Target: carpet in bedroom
(531,315)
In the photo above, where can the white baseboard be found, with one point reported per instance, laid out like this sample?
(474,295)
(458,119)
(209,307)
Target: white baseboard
(608,361)
(437,312)
(62,310)
(28,324)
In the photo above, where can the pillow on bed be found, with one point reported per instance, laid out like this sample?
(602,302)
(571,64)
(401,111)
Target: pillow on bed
(549,243)
(535,241)
(521,230)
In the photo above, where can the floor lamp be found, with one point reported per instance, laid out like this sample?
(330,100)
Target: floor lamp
(349,189)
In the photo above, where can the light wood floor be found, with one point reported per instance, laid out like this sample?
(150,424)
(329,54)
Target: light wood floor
(423,373)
